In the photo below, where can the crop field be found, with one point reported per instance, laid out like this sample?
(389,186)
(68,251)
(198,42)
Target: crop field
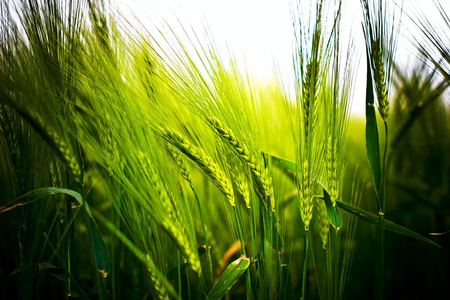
(136,166)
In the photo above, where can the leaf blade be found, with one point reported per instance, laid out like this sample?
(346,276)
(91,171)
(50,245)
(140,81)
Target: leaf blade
(100,252)
(388,225)
(333,213)
(229,277)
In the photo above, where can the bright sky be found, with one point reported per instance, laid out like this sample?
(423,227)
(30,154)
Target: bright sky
(261,30)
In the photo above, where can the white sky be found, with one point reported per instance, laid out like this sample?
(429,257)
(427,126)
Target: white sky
(261,30)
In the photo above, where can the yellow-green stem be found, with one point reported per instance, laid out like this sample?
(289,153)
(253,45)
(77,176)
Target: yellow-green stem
(381,216)
(305,259)
(208,255)
(335,264)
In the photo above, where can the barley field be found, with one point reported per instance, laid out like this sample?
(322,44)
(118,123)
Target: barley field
(136,166)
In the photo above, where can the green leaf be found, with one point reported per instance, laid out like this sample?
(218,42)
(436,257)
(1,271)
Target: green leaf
(364,215)
(372,142)
(229,277)
(287,166)
(388,225)
(38,194)
(334,215)
(272,231)
(136,251)
(99,248)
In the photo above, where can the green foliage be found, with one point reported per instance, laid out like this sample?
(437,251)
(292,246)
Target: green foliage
(140,166)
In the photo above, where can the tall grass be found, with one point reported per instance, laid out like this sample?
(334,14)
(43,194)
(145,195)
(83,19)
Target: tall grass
(146,166)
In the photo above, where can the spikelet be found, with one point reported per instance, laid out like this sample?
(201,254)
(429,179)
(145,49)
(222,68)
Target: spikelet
(115,162)
(306,195)
(242,186)
(179,162)
(380,79)
(158,287)
(309,89)
(261,177)
(203,161)
(65,150)
(235,167)
(320,212)
(55,172)
(332,168)
(7,129)
(171,227)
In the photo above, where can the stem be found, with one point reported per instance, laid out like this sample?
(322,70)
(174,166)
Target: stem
(69,251)
(241,237)
(208,256)
(252,252)
(305,258)
(335,264)
(381,215)
(179,271)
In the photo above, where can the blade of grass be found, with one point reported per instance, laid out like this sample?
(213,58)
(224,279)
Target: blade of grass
(138,253)
(99,248)
(229,277)
(388,225)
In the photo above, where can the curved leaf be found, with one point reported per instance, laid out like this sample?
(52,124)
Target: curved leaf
(229,277)
(99,248)
(388,225)
(334,215)
(38,194)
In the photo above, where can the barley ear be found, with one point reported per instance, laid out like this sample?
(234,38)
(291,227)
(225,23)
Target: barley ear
(260,174)
(322,220)
(380,79)
(306,194)
(202,160)
(170,225)
(179,162)
(158,288)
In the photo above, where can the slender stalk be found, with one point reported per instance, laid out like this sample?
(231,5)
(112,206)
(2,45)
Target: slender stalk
(179,271)
(241,236)
(208,255)
(335,264)
(305,258)
(69,252)
(381,215)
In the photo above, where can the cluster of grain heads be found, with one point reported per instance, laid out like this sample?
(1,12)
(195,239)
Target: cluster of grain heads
(309,69)
(379,78)
(158,287)
(178,160)
(171,220)
(306,194)
(381,41)
(320,213)
(260,175)
(202,161)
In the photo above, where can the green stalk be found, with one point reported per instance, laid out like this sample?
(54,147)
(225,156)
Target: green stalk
(249,284)
(179,272)
(69,251)
(335,264)
(208,256)
(381,215)
(305,258)
(241,236)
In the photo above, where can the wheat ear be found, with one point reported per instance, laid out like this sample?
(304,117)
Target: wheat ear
(261,177)
(171,227)
(203,161)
